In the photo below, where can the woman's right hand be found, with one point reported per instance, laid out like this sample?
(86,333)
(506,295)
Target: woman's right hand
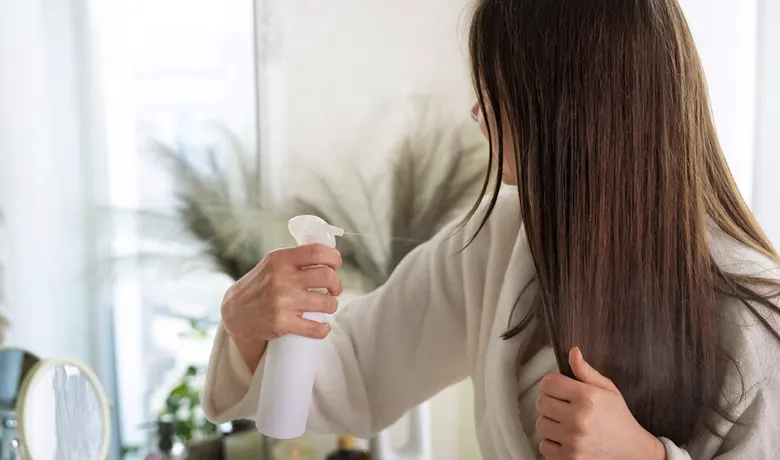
(270,300)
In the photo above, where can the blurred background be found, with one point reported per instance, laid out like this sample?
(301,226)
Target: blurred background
(152,150)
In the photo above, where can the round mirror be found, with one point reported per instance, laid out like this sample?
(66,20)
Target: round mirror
(63,413)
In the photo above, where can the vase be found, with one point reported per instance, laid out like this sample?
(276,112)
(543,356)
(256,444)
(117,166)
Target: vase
(418,445)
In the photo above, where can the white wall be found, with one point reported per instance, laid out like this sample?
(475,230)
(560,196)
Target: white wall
(350,68)
(726,35)
(47,167)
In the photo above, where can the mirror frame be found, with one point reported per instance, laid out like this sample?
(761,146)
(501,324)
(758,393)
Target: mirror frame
(37,371)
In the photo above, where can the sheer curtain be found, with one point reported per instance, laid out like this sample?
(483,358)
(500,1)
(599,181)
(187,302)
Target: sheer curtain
(46,184)
(50,170)
(73,105)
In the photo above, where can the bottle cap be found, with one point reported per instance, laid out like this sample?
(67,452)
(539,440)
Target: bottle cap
(312,229)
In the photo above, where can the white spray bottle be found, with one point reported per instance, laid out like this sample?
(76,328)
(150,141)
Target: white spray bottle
(290,361)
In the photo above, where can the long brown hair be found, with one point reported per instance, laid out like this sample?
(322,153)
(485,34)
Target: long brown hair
(619,173)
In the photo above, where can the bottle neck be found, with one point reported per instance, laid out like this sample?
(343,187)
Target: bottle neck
(347,443)
(165,435)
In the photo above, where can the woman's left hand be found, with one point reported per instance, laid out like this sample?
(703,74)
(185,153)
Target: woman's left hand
(589,419)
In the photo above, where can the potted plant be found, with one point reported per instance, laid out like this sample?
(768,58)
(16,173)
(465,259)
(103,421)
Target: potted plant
(435,174)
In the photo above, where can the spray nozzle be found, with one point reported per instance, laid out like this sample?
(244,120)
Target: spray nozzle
(311,229)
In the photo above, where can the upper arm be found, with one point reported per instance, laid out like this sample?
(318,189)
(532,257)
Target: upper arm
(401,344)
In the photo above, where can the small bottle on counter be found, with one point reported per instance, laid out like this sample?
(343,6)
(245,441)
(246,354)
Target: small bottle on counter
(348,450)
(165,435)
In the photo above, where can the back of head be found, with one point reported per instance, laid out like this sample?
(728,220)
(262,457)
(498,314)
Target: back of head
(618,170)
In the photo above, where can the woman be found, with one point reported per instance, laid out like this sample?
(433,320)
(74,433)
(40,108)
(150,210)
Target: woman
(620,302)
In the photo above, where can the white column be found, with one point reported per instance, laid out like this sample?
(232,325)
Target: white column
(41,181)
(271,77)
(726,35)
(767,182)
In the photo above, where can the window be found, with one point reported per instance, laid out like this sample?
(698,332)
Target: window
(170,70)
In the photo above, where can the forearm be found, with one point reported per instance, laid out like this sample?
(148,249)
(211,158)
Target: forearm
(251,353)
(228,395)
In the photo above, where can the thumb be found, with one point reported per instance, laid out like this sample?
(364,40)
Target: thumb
(586,373)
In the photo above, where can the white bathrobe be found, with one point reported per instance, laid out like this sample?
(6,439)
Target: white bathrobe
(438,320)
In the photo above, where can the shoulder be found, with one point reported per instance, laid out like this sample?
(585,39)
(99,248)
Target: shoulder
(745,320)
(464,253)
(749,336)
(487,241)
(735,257)
(502,226)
